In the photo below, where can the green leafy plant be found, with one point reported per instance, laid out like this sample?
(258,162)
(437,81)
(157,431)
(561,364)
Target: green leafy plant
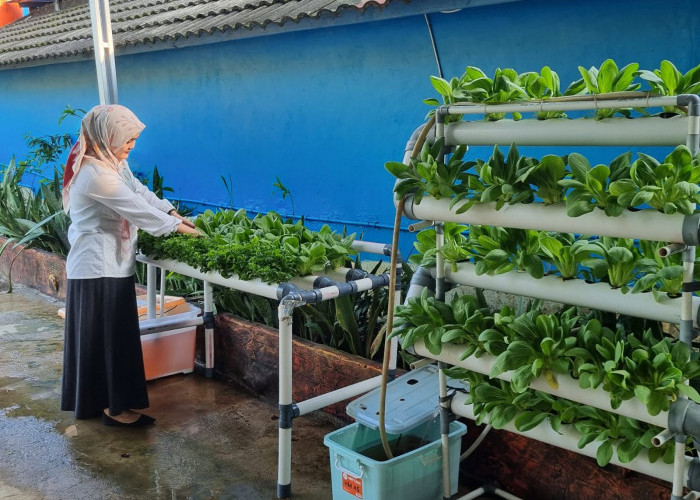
(542,345)
(671,186)
(667,80)
(284,191)
(499,180)
(564,251)
(542,86)
(589,185)
(658,274)
(475,86)
(428,175)
(618,263)
(498,250)
(609,79)
(545,176)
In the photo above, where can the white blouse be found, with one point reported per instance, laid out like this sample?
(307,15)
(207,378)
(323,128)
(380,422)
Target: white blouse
(107,208)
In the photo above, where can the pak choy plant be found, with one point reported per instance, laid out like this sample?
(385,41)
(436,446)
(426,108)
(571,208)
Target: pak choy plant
(435,322)
(589,186)
(564,251)
(427,174)
(660,275)
(474,86)
(455,248)
(670,187)
(667,80)
(542,86)
(545,176)
(498,250)
(499,180)
(614,260)
(540,345)
(607,79)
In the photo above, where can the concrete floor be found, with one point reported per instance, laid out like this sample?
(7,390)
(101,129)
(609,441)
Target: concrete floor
(211,440)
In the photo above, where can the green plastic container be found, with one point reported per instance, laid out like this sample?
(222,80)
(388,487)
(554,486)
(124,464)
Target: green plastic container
(413,475)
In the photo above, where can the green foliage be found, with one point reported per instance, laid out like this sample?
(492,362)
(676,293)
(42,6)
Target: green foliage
(499,180)
(545,176)
(670,187)
(618,265)
(284,191)
(667,80)
(564,251)
(542,86)
(589,185)
(428,175)
(609,79)
(475,86)
(264,247)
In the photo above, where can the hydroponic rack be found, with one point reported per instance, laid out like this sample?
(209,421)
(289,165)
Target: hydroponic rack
(297,292)
(682,232)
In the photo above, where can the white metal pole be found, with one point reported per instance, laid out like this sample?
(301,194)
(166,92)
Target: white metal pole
(208,330)
(103,46)
(284,457)
(150,291)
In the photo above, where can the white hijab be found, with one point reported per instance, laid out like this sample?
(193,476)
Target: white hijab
(106,128)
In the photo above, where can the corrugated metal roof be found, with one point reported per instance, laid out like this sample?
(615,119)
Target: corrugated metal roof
(66,35)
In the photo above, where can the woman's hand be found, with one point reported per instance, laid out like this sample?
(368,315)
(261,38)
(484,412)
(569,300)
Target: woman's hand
(184,228)
(184,220)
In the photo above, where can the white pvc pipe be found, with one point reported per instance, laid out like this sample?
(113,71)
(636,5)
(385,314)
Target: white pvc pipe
(162,293)
(568,387)
(208,332)
(150,291)
(444,435)
(643,225)
(284,458)
(369,247)
(338,395)
(568,439)
(680,468)
(646,131)
(255,286)
(603,101)
(598,296)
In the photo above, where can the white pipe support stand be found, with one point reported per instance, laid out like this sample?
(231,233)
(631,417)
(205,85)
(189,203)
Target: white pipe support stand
(208,321)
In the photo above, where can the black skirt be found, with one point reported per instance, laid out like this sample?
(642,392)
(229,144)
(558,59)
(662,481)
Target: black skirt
(102,358)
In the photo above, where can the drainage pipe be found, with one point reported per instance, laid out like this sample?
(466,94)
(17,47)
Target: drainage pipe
(598,296)
(336,396)
(568,387)
(567,438)
(642,225)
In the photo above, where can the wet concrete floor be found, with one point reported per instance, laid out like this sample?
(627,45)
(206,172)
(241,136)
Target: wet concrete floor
(211,439)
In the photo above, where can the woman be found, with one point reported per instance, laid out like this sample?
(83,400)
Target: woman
(103,373)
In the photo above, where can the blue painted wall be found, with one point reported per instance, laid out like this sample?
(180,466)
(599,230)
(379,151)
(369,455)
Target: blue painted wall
(324,109)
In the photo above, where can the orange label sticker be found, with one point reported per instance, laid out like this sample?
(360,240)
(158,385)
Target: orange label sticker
(352,485)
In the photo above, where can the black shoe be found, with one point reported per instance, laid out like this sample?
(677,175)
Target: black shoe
(139,422)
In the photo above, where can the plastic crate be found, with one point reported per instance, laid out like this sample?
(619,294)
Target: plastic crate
(414,475)
(168,342)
